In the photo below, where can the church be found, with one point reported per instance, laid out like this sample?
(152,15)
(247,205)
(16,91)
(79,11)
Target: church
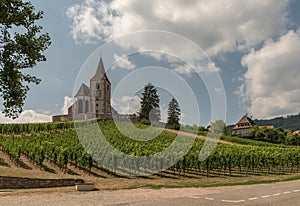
(91,101)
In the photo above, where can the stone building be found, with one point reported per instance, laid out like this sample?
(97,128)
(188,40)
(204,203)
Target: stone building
(91,101)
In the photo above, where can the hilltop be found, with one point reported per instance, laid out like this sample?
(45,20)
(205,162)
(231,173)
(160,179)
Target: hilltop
(291,122)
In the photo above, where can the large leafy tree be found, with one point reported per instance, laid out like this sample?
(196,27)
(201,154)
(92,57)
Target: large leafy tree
(21,47)
(173,115)
(150,104)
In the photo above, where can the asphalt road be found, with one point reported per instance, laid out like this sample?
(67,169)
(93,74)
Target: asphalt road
(277,194)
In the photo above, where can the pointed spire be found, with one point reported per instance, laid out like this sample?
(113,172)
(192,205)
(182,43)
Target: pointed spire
(100,68)
(100,72)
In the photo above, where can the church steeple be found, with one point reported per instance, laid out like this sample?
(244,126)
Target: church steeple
(100,72)
(100,91)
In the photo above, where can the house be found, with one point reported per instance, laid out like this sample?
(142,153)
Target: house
(243,126)
(91,101)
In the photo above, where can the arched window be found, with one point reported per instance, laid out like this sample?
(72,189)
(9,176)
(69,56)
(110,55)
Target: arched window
(97,86)
(86,106)
(80,106)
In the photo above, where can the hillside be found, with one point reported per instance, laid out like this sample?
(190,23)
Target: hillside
(291,122)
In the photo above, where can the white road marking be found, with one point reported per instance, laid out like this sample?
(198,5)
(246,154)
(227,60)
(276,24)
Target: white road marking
(250,199)
(233,201)
(194,197)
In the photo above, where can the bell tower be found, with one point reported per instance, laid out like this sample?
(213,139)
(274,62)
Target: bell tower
(100,88)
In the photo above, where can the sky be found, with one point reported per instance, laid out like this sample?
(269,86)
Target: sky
(219,59)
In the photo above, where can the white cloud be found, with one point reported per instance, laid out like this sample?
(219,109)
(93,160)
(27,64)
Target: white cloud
(161,56)
(88,23)
(123,62)
(273,76)
(216,26)
(188,69)
(219,90)
(68,101)
(127,104)
(27,116)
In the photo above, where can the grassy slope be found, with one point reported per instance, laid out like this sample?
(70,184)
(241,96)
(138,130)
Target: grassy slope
(106,181)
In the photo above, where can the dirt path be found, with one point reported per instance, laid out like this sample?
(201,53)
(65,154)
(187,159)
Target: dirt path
(187,134)
(99,197)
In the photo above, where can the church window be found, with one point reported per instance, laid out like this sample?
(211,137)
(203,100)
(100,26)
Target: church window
(98,94)
(86,106)
(97,86)
(80,106)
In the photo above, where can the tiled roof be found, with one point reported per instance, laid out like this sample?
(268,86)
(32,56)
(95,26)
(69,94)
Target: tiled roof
(268,126)
(244,123)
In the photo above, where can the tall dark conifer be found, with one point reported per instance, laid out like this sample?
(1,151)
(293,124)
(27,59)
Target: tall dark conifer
(173,115)
(150,104)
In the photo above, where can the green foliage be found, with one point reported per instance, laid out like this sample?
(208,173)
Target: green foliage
(62,146)
(291,122)
(199,130)
(217,128)
(173,115)
(246,141)
(273,135)
(21,46)
(34,127)
(150,104)
(293,139)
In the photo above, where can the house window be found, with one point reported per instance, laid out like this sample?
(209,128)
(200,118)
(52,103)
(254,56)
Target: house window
(97,111)
(96,105)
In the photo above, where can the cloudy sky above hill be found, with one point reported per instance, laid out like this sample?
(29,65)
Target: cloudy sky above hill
(253,46)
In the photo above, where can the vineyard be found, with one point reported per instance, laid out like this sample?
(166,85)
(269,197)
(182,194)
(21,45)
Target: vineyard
(112,151)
